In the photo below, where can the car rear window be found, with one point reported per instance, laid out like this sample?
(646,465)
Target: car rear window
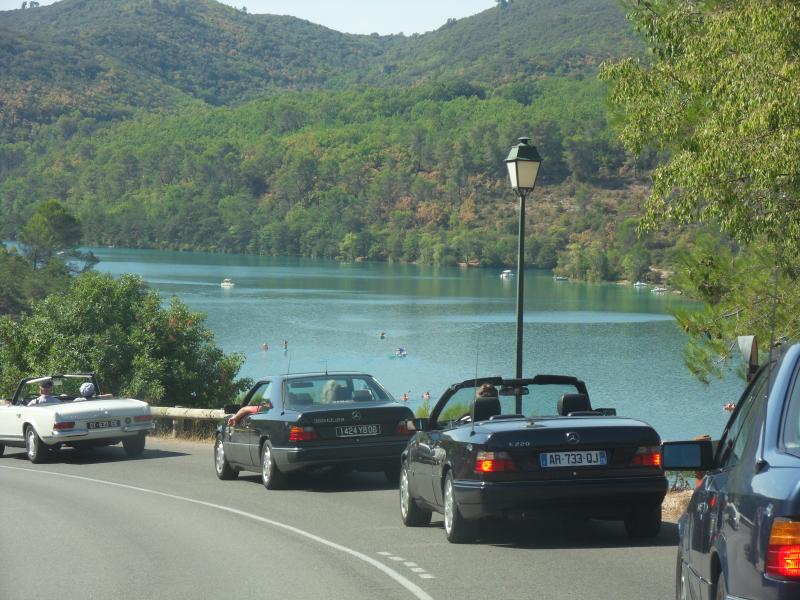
(333,389)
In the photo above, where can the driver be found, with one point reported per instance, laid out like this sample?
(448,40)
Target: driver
(45,393)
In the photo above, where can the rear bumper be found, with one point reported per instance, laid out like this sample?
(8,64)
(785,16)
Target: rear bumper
(368,456)
(602,498)
(97,435)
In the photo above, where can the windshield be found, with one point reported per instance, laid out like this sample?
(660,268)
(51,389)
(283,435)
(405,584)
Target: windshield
(333,389)
(65,387)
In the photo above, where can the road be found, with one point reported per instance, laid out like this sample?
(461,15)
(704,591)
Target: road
(88,526)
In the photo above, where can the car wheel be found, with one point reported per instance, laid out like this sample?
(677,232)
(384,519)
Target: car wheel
(458,529)
(34,446)
(721,587)
(271,476)
(680,579)
(222,467)
(392,474)
(643,522)
(412,515)
(134,445)
(2,449)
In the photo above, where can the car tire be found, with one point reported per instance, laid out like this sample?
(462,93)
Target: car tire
(134,445)
(411,514)
(643,522)
(222,467)
(721,587)
(2,449)
(392,474)
(35,448)
(271,476)
(458,529)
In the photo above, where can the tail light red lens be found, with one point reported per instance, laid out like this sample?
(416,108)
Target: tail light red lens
(783,555)
(302,434)
(142,418)
(405,428)
(64,425)
(494,462)
(647,456)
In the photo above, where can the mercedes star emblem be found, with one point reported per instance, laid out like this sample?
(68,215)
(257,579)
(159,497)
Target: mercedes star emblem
(356,415)
(573,437)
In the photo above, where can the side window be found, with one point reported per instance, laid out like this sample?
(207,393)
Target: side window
(262,393)
(744,423)
(791,426)
(458,405)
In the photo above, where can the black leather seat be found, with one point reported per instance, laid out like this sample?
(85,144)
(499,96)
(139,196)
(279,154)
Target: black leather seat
(342,394)
(486,408)
(300,399)
(573,403)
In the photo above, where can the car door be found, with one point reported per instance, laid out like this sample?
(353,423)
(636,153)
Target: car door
(11,419)
(714,517)
(241,434)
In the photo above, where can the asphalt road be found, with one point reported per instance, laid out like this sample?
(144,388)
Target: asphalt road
(100,526)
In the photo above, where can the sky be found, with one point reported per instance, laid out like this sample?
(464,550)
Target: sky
(355,16)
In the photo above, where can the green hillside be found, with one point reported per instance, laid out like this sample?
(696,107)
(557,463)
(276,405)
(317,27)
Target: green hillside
(189,124)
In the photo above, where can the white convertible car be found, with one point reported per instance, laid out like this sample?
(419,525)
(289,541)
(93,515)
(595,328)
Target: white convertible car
(71,412)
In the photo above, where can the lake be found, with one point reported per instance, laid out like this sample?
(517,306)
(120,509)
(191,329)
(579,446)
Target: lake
(452,322)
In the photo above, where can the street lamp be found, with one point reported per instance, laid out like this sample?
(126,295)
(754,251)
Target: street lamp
(523,167)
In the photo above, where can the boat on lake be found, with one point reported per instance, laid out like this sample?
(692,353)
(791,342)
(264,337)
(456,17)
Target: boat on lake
(227,283)
(507,274)
(640,284)
(560,278)
(659,290)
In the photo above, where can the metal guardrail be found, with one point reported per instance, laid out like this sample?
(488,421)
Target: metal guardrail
(180,415)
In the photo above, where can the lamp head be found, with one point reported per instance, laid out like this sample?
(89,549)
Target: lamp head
(523,163)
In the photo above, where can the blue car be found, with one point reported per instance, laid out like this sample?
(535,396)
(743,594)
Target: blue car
(740,534)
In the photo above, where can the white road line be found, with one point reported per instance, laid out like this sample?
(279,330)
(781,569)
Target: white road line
(410,564)
(397,558)
(417,591)
(385,553)
(426,576)
(417,569)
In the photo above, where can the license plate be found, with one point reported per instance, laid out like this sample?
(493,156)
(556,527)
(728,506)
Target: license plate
(102,424)
(583,458)
(357,430)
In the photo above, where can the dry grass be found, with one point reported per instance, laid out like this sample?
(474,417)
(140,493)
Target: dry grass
(674,504)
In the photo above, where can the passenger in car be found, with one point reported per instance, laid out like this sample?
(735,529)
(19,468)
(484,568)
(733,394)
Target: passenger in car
(45,394)
(250,409)
(86,390)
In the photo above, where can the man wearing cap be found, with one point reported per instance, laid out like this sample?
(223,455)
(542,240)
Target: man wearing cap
(45,393)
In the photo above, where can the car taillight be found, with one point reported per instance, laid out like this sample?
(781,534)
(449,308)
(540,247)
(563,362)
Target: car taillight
(302,434)
(494,462)
(783,555)
(647,456)
(405,428)
(64,425)
(143,418)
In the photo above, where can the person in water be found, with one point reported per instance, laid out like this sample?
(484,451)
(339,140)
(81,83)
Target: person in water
(383,335)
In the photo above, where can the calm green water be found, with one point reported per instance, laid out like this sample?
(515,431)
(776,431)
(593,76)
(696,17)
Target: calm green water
(452,322)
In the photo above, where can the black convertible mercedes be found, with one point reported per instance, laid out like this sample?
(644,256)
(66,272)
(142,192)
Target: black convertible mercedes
(310,421)
(514,448)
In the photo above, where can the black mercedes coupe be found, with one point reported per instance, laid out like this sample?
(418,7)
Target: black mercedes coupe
(518,448)
(310,421)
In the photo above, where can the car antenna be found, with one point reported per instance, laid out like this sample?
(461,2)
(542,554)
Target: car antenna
(472,412)
(761,462)
(326,366)
(289,366)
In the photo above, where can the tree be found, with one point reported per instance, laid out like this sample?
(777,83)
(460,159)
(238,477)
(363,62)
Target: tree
(120,329)
(721,96)
(52,228)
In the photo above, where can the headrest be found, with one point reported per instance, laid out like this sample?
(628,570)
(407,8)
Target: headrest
(342,394)
(569,403)
(299,399)
(486,408)
(362,395)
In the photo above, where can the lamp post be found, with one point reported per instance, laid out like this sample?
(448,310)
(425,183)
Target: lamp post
(523,167)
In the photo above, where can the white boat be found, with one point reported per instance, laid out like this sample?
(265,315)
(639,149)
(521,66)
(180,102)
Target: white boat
(560,278)
(227,283)
(659,290)
(507,274)
(640,284)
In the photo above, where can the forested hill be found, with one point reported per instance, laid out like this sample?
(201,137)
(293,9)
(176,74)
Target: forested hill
(104,58)
(190,124)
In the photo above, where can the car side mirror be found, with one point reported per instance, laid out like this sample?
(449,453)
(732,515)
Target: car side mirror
(421,423)
(231,409)
(687,456)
